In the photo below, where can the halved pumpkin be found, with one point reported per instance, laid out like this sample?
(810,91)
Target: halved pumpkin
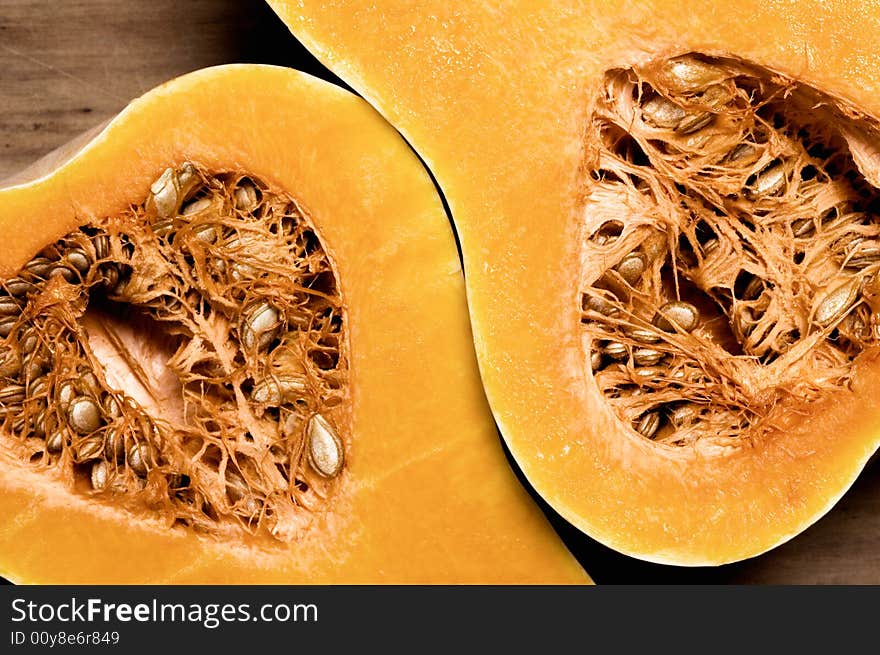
(668,215)
(236,350)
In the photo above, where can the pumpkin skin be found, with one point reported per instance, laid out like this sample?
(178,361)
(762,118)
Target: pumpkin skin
(427,496)
(495,97)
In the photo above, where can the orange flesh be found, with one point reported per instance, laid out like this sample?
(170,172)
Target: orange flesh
(426,495)
(495,96)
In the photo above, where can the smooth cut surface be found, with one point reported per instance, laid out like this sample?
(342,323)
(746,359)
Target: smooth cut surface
(495,97)
(426,495)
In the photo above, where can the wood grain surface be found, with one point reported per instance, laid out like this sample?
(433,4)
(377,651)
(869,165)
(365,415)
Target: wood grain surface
(65,66)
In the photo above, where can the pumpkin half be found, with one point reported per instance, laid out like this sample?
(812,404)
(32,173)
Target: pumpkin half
(236,350)
(668,216)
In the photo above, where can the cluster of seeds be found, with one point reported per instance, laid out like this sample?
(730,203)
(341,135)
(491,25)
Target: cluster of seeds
(243,424)
(732,246)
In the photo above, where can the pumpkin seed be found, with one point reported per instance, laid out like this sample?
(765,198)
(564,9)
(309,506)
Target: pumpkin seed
(164,193)
(642,335)
(645,373)
(88,448)
(648,424)
(89,381)
(663,113)
(240,494)
(40,421)
(654,247)
(267,391)
(110,276)
(687,74)
(768,182)
(19,287)
(837,302)
(616,350)
(101,244)
(171,189)
(246,197)
(114,444)
(63,271)
(138,456)
(601,305)
(275,390)
(709,247)
(163,228)
(100,475)
(195,206)
(111,406)
(716,96)
(694,122)
(28,341)
(39,267)
(595,360)
(236,487)
(631,267)
(865,254)
(84,415)
(233,243)
(12,394)
(803,227)
(38,386)
(241,271)
(607,233)
(683,415)
(10,362)
(34,367)
(846,244)
(149,429)
(743,153)
(754,288)
(79,260)
(55,442)
(325,447)
(743,323)
(677,313)
(260,326)
(67,391)
(205,233)
(647,356)
(6,325)
(9,307)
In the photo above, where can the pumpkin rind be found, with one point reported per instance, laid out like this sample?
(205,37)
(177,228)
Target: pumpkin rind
(496,97)
(426,495)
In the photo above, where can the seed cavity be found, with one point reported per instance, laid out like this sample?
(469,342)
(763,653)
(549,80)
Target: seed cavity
(741,269)
(187,359)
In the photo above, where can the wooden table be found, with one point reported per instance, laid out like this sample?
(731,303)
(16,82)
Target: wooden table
(66,66)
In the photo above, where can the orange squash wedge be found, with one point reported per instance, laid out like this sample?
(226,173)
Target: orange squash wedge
(407,481)
(594,156)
